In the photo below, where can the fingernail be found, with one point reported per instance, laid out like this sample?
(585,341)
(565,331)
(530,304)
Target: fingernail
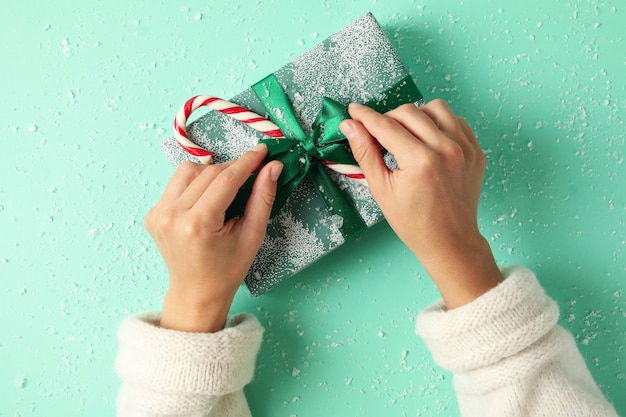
(259,147)
(346,129)
(355,105)
(275,172)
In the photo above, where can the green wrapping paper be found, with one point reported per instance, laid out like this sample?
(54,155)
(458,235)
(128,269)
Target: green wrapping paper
(357,64)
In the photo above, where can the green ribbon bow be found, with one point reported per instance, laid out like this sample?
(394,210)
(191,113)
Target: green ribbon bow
(302,154)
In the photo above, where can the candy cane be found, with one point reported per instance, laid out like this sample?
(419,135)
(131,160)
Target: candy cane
(239,113)
(245,116)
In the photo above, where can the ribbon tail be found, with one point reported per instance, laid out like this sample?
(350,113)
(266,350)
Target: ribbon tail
(238,206)
(293,172)
(350,222)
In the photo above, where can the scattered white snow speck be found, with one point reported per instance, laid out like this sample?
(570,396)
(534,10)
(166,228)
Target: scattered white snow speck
(65,47)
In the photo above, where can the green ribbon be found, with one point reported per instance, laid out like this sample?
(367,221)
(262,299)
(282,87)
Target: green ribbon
(302,154)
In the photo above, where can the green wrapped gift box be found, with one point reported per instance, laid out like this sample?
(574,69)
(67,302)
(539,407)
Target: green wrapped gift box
(357,64)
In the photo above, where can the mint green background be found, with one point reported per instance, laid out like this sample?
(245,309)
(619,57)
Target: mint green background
(89,89)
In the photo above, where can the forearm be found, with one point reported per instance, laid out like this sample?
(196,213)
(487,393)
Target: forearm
(167,372)
(508,355)
(463,269)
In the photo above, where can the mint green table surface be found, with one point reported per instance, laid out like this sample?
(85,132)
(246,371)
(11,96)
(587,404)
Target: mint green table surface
(89,89)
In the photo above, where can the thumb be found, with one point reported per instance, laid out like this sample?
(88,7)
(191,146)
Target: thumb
(259,206)
(366,151)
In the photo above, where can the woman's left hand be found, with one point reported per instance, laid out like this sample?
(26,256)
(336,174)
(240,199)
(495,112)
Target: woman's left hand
(206,257)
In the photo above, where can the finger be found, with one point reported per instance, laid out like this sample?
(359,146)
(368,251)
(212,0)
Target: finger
(469,133)
(183,176)
(223,189)
(441,114)
(478,153)
(198,186)
(418,124)
(387,131)
(260,203)
(366,151)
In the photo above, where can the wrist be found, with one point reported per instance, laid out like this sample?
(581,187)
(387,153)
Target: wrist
(183,313)
(462,270)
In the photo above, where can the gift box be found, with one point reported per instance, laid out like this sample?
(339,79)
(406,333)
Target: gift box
(323,208)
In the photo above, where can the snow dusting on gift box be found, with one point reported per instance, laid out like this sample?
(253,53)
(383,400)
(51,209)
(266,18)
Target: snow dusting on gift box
(356,64)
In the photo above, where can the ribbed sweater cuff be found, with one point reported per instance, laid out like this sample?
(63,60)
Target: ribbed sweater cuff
(166,360)
(497,325)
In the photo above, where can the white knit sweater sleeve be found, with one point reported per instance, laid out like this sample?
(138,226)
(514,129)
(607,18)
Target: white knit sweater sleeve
(171,373)
(509,357)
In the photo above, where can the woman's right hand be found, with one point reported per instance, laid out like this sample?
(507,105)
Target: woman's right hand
(431,199)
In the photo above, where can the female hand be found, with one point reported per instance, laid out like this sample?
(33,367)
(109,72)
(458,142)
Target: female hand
(431,200)
(206,257)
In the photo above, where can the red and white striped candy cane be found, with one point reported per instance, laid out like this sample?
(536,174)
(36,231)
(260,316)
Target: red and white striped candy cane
(243,115)
(353,172)
(239,113)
